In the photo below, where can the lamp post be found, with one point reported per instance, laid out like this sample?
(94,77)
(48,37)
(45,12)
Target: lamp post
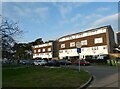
(78,45)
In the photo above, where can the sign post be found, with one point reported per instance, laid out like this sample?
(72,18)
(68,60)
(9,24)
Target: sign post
(78,45)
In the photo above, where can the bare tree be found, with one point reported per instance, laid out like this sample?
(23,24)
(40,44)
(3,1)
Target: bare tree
(8,31)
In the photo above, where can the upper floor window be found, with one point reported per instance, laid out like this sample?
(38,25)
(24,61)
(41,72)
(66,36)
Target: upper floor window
(62,45)
(39,50)
(98,40)
(43,49)
(84,42)
(104,30)
(34,51)
(72,44)
(49,49)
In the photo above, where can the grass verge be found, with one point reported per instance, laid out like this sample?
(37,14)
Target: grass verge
(37,76)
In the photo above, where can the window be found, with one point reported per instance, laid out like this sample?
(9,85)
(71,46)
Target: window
(81,34)
(43,50)
(45,53)
(34,51)
(92,32)
(92,48)
(62,45)
(98,40)
(60,51)
(103,30)
(39,50)
(73,37)
(84,34)
(77,36)
(95,48)
(49,49)
(88,33)
(65,50)
(84,42)
(104,47)
(82,49)
(72,44)
(88,49)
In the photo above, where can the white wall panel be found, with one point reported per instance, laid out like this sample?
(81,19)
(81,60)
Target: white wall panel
(84,51)
(43,45)
(84,34)
(43,55)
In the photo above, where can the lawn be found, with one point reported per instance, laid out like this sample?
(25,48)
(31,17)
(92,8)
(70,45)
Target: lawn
(37,76)
(9,66)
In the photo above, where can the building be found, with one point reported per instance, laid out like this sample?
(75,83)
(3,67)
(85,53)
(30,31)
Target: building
(96,41)
(118,38)
(46,50)
(117,49)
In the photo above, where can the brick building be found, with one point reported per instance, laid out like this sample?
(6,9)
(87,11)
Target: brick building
(96,41)
(46,50)
(118,38)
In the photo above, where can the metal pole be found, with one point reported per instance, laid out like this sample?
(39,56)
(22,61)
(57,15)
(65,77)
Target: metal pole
(79,61)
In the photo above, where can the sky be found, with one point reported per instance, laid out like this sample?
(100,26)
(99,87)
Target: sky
(52,20)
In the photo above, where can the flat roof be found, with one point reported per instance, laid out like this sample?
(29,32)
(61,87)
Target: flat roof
(85,31)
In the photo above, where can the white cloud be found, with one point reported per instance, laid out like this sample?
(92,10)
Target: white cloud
(38,14)
(21,11)
(42,12)
(103,9)
(90,24)
(75,18)
(64,10)
(72,20)
(93,16)
(106,20)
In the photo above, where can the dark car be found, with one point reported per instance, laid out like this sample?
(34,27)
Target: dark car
(26,62)
(64,62)
(53,63)
(83,62)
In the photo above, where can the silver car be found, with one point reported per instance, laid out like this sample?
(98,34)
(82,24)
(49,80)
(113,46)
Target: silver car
(40,62)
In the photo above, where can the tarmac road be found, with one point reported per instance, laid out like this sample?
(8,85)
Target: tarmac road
(104,76)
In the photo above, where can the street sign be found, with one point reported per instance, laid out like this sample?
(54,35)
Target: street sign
(78,44)
(78,50)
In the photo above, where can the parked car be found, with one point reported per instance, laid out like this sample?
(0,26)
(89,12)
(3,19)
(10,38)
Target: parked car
(64,62)
(24,62)
(40,62)
(83,62)
(53,63)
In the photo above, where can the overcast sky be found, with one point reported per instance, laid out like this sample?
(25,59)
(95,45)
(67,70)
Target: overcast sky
(51,20)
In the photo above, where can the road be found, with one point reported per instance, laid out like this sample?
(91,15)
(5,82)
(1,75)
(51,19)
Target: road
(104,76)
